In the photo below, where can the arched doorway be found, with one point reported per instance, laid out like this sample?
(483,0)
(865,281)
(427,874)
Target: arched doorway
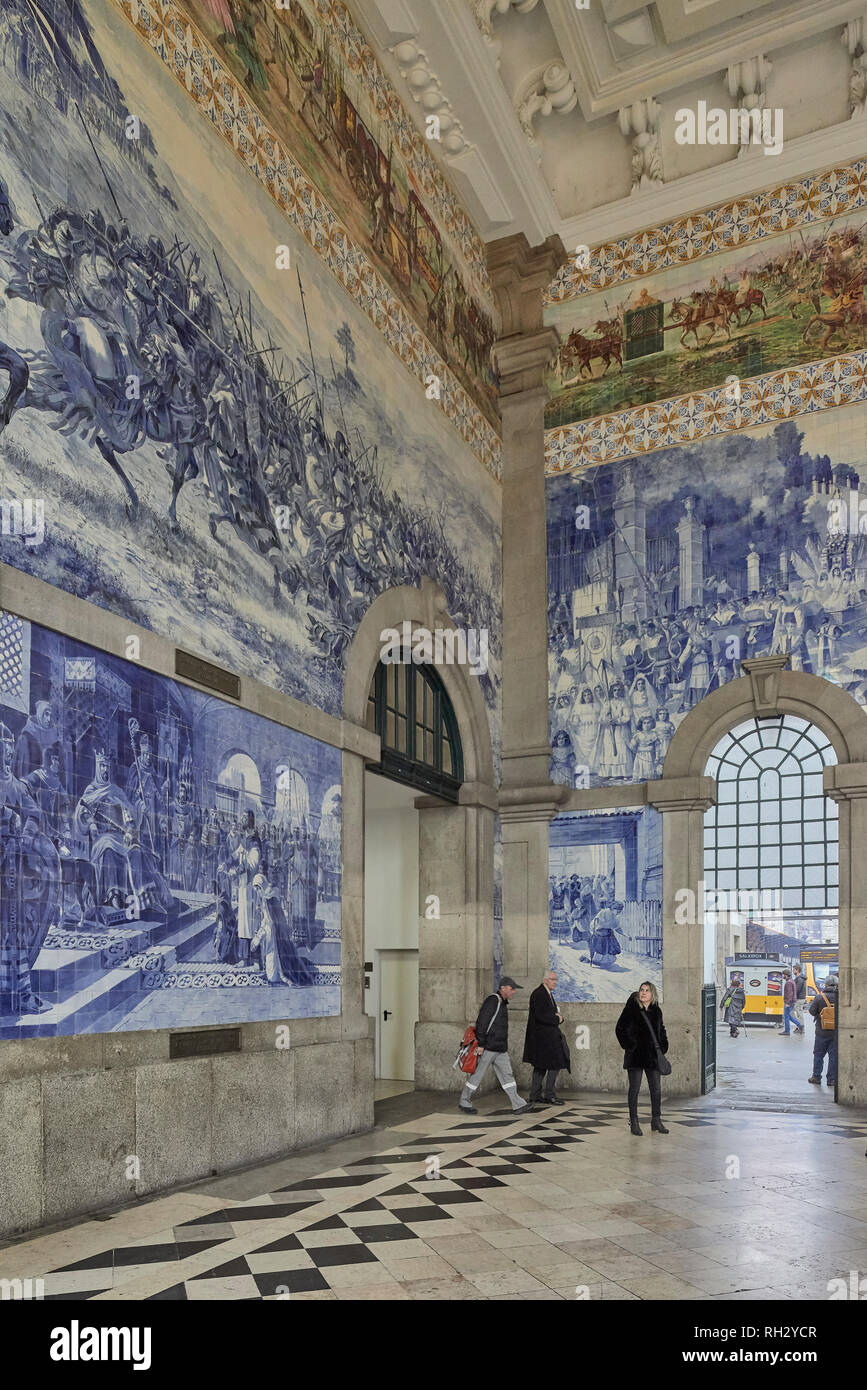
(771,895)
(451,793)
(685,793)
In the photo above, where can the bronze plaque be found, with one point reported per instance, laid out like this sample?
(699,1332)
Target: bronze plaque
(193,668)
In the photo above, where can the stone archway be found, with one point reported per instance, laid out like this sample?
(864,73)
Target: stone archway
(683,794)
(456,842)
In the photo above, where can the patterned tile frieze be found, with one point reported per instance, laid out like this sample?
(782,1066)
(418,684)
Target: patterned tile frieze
(763,400)
(223,101)
(414,149)
(756,216)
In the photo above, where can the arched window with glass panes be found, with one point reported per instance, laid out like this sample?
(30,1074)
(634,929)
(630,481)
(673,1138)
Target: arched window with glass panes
(772,827)
(410,710)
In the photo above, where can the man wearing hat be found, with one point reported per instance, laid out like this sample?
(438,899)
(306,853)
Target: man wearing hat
(492,1034)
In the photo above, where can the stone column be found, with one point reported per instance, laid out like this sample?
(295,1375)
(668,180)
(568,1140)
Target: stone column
(528,800)
(683,802)
(456,927)
(847,785)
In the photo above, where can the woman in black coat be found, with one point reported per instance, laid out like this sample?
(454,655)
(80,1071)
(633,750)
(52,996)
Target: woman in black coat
(639,1052)
(545,1048)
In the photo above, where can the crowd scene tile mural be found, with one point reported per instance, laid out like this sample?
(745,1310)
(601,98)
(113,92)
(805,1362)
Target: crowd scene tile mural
(217,445)
(167,859)
(665,573)
(605,897)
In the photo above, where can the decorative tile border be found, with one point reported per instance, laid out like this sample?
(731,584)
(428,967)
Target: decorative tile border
(764,400)
(414,149)
(722,228)
(176,41)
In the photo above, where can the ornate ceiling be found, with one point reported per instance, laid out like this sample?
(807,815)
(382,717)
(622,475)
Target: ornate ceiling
(560,116)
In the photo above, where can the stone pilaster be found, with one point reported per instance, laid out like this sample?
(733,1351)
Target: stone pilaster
(528,800)
(683,802)
(846,784)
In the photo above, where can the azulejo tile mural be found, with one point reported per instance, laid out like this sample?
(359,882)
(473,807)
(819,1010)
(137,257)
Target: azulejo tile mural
(738,405)
(168,860)
(665,573)
(605,897)
(218,444)
(729,326)
(753,217)
(299,97)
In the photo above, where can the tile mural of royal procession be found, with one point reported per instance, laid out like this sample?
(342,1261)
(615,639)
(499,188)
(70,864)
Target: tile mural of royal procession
(167,859)
(605,896)
(665,572)
(309,70)
(214,440)
(781,302)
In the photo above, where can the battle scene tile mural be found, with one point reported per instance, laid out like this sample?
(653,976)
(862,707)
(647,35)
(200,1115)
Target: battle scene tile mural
(168,860)
(199,429)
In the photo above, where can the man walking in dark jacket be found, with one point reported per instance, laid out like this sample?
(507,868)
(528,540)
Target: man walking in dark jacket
(824,1010)
(545,1048)
(492,1034)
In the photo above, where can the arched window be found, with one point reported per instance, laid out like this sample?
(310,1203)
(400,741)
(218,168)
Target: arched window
(409,708)
(773,829)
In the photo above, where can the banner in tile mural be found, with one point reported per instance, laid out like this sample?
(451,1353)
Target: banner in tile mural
(605,896)
(167,859)
(199,429)
(742,313)
(665,573)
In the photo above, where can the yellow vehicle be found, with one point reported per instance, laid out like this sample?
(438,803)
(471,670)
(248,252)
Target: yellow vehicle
(817,963)
(762,979)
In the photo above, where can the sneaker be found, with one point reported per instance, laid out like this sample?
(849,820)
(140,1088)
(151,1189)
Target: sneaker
(815,1080)
(468,1109)
(830,1080)
(522,1109)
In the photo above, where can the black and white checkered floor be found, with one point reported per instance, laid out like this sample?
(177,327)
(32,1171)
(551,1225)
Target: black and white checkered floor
(556,1204)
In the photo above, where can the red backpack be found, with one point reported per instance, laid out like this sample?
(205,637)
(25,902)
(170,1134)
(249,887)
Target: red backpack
(468,1053)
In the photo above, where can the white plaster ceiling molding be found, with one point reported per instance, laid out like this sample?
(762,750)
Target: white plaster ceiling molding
(550,90)
(746,83)
(640,124)
(425,89)
(484,12)
(854,37)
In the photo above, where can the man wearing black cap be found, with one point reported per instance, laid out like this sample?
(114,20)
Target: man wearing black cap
(492,1034)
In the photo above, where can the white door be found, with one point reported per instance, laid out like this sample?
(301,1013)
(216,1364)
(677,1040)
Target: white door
(398,1014)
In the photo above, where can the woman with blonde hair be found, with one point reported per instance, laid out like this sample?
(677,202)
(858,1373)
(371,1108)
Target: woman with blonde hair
(641,1033)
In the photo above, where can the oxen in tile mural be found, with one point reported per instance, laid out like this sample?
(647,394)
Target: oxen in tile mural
(219,446)
(605,897)
(665,573)
(167,859)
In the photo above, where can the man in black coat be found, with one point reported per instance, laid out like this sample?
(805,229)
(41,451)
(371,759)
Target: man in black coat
(545,1048)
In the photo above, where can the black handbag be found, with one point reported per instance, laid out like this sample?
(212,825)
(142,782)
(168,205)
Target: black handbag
(662,1061)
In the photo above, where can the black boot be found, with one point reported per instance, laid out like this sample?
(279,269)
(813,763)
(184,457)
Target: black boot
(634,1126)
(657,1125)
